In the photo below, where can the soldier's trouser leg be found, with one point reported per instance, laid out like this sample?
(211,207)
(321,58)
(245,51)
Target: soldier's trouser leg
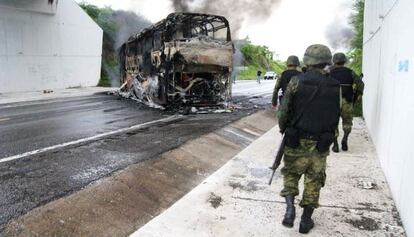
(335,147)
(314,180)
(347,116)
(293,169)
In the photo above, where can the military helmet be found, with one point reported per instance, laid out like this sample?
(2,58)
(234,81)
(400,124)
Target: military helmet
(293,60)
(317,54)
(339,58)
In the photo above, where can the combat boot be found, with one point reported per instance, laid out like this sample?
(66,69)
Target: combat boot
(306,222)
(290,211)
(335,147)
(344,142)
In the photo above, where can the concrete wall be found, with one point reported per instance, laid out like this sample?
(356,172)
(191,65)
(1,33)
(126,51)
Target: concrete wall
(45,46)
(40,6)
(388,67)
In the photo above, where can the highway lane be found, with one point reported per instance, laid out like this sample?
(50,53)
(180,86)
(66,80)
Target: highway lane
(30,126)
(35,180)
(250,88)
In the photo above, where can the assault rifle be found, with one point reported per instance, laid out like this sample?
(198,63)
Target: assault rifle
(278,158)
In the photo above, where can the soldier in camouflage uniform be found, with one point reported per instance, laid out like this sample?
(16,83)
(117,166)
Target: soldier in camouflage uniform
(292,63)
(352,88)
(308,116)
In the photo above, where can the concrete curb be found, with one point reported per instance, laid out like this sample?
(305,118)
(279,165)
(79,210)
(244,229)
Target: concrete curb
(17,97)
(236,200)
(128,199)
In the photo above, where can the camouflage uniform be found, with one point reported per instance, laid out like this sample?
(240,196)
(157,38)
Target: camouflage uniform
(352,89)
(300,118)
(347,112)
(275,96)
(292,62)
(346,115)
(304,159)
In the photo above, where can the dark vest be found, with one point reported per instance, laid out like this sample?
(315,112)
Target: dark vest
(285,78)
(345,77)
(322,113)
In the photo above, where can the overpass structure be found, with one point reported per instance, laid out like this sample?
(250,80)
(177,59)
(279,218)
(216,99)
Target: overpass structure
(389,98)
(47,44)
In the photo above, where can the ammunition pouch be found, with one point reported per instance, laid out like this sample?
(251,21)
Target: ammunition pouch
(325,141)
(292,137)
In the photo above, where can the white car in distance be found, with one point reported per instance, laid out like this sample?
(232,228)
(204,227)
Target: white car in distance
(270,75)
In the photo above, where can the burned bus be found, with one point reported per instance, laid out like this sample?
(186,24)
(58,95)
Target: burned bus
(185,59)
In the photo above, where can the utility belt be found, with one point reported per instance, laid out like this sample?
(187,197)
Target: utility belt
(324,140)
(308,136)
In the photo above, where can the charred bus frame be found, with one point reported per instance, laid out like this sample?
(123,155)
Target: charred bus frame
(184,59)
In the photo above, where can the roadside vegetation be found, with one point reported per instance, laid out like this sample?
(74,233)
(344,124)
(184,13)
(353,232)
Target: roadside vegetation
(255,58)
(355,53)
(117,26)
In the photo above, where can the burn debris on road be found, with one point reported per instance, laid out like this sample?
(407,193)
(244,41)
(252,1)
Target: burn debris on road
(238,103)
(183,60)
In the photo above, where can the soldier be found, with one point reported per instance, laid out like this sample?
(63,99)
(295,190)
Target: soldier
(259,76)
(308,116)
(292,64)
(352,88)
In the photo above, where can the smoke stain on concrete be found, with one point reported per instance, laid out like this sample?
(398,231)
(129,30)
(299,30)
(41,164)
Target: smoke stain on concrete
(235,185)
(251,186)
(215,200)
(365,223)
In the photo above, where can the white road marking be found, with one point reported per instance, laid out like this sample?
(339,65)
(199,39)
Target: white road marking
(87,139)
(239,135)
(4,119)
(261,94)
(251,132)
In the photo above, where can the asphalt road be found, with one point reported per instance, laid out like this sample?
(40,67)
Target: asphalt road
(27,127)
(34,125)
(34,180)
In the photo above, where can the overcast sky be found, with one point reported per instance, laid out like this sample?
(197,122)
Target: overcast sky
(292,26)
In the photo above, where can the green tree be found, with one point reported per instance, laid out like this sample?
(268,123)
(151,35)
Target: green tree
(258,57)
(117,26)
(355,53)
(357,22)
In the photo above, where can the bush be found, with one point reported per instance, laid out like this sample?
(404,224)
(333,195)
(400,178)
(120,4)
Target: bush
(257,57)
